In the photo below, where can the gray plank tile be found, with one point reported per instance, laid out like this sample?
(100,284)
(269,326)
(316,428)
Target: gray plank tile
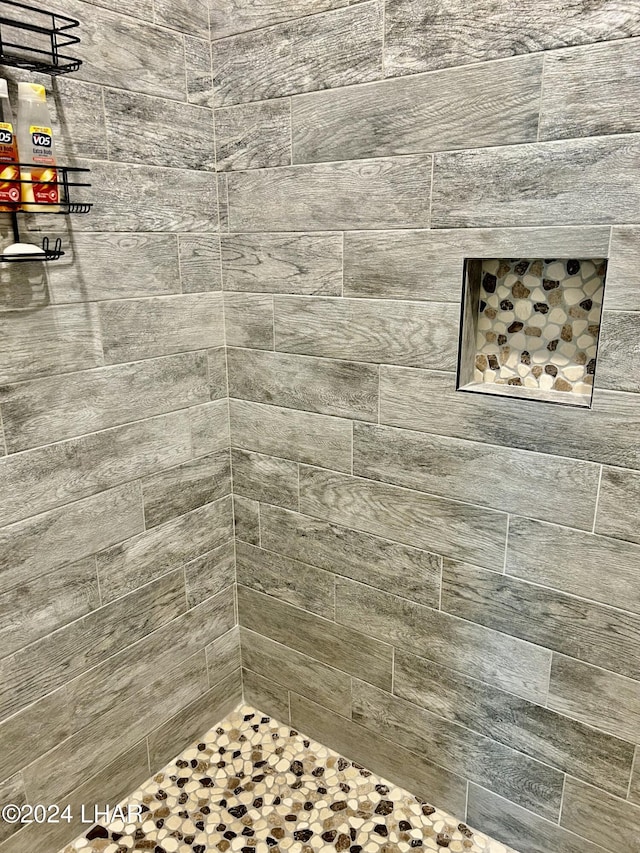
(545,735)
(117,679)
(236,16)
(210,574)
(419,39)
(346,389)
(113,266)
(391,761)
(591,90)
(426,400)
(178,490)
(618,488)
(218,385)
(466,107)
(223,655)
(583,809)
(248,320)
(42,479)
(388,565)
(634,787)
(425,521)
(172,737)
(572,561)
(308,264)
(289,580)
(392,193)
(252,136)
(345,649)
(135,329)
(618,365)
(199,75)
(246,517)
(267,695)
(415,334)
(599,698)
(511,824)
(141,559)
(333,49)
(209,427)
(12,791)
(155,131)
(622,290)
(571,626)
(503,661)
(551,183)
(199,262)
(39,607)
(519,778)
(223,201)
(294,670)
(46,542)
(43,411)
(305,437)
(540,486)
(49,341)
(45,665)
(189,16)
(265,478)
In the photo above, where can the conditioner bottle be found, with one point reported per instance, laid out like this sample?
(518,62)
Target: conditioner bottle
(9,171)
(37,151)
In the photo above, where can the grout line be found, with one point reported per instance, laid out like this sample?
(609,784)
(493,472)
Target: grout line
(548,690)
(379,390)
(352,443)
(342,279)
(384,34)
(564,786)
(291,131)
(393,670)
(259,513)
(634,763)
(95,562)
(146,740)
(466,803)
(595,509)
(273,321)
(540,100)
(186,73)
(433,167)
(506,544)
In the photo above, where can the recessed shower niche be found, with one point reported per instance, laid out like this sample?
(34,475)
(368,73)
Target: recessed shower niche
(530,328)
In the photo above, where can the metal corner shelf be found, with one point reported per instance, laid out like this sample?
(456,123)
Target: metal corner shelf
(49,253)
(52,30)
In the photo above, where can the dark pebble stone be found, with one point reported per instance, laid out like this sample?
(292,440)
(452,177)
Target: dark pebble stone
(223,804)
(416,842)
(381,829)
(258,778)
(255,727)
(116,836)
(202,747)
(206,782)
(502,339)
(384,807)
(525,358)
(222,750)
(182,781)
(277,801)
(237,753)
(549,284)
(144,809)
(343,764)
(515,327)
(221,764)
(242,739)
(573,267)
(258,803)
(329,836)
(159,849)
(205,810)
(443,839)
(237,791)
(306,744)
(248,832)
(493,362)
(344,787)
(404,826)
(260,763)
(591,367)
(219,731)
(194,762)
(271,841)
(317,772)
(483,305)
(364,772)
(182,763)
(587,304)
(248,850)
(221,827)
(308,806)
(160,823)
(427,810)
(238,811)
(297,784)
(182,799)
(248,717)
(138,835)
(464,829)
(339,806)
(303,835)
(342,842)
(541,307)
(161,795)
(280,750)
(199,848)
(290,818)
(355,848)
(506,305)
(552,346)
(265,720)
(229,835)
(551,369)
(353,833)
(515,381)
(278,832)
(322,790)
(189,839)
(199,824)
(521,267)
(96,832)
(296,768)
(184,815)
(489,282)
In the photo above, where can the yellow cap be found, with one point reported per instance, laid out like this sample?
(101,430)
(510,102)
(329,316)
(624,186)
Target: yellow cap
(32,92)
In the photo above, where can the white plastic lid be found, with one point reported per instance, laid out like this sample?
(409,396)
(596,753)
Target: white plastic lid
(31,92)
(4,89)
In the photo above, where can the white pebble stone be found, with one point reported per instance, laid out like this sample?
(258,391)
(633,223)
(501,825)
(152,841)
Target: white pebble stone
(557,315)
(551,332)
(523,370)
(573,296)
(546,382)
(573,281)
(531,281)
(510,279)
(523,309)
(584,341)
(587,269)
(491,266)
(539,321)
(540,357)
(567,348)
(573,373)
(594,315)
(582,388)
(530,382)
(490,376)
(579,326)
(556,271)
(518,341)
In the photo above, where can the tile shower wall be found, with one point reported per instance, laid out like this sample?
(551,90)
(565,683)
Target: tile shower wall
(443,586)
(117,618)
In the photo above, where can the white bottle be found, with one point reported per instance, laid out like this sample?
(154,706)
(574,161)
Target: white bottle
(36,148)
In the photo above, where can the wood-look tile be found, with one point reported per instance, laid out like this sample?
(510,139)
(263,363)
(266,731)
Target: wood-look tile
(46,542)
(460,33)
(47,477)
(218,385)
(618,488)
(437,785)
(413,334)
(599,698)
(235,16)
(43,411)
(265,478)
(316,52)
(199,262)
(12,791)
(571,182)
(143,558)
(223,655)
(266,694)
(253,136)
(155,131)
(583,807)
(210,574)
(541,486)
(301,436)
(345,649)
(246,517)
(343,388)
(189,16)
(573,561)
(521,779)
(550,737)
(424,521)
(289,580)
(308,264)
(199,75)
(297,671)
(388,565)
(209,427)
(248,319)
(426,400)
(498,659)
(571,626)
(591,90)
(135,329)
(392,193)
(467,107)
(185,488)
(622,290)
(618,364)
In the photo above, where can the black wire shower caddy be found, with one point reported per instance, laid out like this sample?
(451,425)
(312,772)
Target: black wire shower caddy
(54,32)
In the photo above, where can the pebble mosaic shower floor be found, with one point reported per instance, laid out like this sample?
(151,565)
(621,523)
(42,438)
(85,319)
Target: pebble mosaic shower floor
(253,785)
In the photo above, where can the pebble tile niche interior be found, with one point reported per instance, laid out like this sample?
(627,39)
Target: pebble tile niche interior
(531,328)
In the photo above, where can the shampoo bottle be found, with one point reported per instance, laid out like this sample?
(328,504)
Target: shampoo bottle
(9,171)
(37,151)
